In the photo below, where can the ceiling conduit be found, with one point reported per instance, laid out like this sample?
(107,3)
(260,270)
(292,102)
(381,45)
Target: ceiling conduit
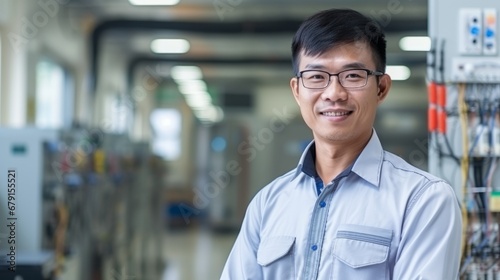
(244,27)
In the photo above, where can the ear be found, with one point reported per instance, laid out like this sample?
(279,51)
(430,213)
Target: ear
(384,85)
(294,85)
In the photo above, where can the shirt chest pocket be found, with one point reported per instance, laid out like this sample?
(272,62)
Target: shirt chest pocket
(361,252)
(275,255)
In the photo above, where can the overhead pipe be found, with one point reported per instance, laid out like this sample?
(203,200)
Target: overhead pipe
(214,27)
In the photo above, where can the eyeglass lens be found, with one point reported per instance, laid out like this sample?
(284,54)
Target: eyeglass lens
(349,78)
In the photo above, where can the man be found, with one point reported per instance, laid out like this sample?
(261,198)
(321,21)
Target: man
(350,210)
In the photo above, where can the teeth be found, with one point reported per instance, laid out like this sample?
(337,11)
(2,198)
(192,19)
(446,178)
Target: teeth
(335,114)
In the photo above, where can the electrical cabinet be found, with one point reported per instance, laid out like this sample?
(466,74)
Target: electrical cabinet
(464,122)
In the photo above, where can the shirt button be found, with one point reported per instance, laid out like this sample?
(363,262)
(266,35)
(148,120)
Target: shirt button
(322,204)
(314,247)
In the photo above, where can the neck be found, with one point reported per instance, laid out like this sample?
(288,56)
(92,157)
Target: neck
(333,158)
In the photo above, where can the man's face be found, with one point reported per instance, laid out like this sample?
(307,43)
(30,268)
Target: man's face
(337,114)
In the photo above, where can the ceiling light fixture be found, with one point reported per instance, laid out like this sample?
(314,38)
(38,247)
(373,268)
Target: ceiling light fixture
(170,46)
(398,72)
(182,73)
(198,103)
(210,114)
(189,87)
(154,2)
(415,43)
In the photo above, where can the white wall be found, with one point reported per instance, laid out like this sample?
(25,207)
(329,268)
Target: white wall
(13,65)
(31,30)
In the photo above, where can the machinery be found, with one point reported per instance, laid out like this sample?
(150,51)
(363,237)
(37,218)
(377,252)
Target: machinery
(83,204)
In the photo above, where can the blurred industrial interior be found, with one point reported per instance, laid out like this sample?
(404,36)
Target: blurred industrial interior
(139,130)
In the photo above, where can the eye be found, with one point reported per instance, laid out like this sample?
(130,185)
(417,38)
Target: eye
(314,76)
(354,75)
(317,77)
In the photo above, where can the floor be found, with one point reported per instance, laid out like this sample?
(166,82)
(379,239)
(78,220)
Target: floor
(194,254)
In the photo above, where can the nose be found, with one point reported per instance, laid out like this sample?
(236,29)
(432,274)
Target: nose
(334,92)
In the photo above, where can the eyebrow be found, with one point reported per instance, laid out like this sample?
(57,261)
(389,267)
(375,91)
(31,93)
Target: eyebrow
(352,65)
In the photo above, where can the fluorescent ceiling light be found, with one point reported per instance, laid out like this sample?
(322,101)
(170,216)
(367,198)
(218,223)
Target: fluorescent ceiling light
(210,114)
(153,2)
(195,93)
(182,73)
(205,97)
(170,46)
(198,99)
(188,87)
(415,43)
(198,102)
(398,72)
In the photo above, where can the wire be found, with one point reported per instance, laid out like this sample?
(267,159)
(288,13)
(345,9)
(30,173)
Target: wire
(476,140)
(488,180)
(464,163)
(450,149)
(438,116)
(465,264)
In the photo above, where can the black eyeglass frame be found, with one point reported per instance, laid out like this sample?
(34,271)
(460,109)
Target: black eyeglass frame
(368,72)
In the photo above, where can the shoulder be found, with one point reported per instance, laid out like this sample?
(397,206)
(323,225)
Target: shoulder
(396,166)
(420,183)
(278,187)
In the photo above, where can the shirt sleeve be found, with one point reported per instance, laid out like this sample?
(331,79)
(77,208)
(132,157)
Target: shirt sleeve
(430,244)
(242,261)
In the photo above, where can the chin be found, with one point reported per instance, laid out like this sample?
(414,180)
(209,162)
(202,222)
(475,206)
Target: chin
(340,135)
(337,136)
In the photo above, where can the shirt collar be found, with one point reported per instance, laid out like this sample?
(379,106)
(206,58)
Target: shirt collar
(307,160)
(369,163)
(369,160)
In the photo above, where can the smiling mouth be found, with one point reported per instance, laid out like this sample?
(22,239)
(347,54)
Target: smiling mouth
(336,114)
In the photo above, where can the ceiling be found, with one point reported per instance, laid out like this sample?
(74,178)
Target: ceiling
(237,10)
(241,43)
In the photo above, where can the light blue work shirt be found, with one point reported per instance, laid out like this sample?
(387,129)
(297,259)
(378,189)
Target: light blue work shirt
(379,219)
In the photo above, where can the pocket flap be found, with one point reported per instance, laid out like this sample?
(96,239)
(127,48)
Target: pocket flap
(274,248)
(359,246)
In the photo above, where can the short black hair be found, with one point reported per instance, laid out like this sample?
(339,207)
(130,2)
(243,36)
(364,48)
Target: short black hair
(329,28)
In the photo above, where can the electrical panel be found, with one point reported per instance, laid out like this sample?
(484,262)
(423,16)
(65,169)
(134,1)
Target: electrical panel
(477,31)
(464,123)
(470,31)
(477,69)
(490,37)
(475,60)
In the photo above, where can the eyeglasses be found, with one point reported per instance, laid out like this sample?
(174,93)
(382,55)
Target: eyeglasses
(351,78)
